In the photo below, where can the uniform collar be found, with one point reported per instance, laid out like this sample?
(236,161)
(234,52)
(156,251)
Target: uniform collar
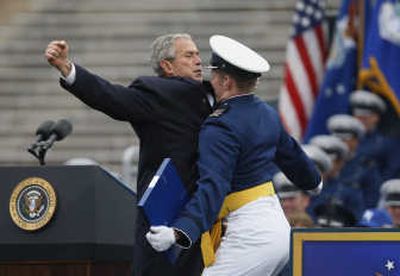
(237,97)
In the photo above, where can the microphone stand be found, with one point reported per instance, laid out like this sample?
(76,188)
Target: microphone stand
(39,150)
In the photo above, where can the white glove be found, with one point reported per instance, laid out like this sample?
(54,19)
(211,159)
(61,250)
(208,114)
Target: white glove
(161,237)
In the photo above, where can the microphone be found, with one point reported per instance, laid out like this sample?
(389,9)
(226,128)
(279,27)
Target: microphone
(46,134)
(58,131)
(44,130)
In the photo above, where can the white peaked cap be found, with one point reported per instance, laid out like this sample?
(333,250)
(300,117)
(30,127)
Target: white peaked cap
(331,145)
(238,54)
(320,158)
(390,191)
(367,100)
(344,125)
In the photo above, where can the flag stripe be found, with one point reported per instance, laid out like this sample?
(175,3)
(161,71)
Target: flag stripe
(319,31)
(316,55)
(288,114)
(299,77)
(305,58)
(295,99)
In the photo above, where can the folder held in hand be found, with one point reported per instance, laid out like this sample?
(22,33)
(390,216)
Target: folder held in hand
(163,199)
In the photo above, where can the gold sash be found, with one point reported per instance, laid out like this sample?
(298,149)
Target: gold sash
(210,240)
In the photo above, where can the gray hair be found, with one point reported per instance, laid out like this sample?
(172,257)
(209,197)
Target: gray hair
(163,47)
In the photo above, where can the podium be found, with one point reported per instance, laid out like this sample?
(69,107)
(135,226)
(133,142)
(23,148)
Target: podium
(91,231)
(345,251)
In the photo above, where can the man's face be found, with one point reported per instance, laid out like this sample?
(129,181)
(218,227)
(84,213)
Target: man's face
(370,121)
(187,61)
(337,165)
(352,143)
(394,212)
(293,204)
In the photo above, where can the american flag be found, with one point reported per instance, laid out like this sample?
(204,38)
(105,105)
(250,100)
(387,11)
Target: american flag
(304,67)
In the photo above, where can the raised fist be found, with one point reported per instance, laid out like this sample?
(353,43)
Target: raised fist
(57,55)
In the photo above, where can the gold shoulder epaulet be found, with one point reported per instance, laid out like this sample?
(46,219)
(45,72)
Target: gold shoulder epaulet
(219,110)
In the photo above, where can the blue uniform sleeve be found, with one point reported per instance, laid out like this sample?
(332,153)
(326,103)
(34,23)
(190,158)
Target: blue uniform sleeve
(295,164)
(219,150)
(119,102)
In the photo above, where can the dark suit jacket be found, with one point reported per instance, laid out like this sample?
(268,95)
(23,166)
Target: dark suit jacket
(166,114)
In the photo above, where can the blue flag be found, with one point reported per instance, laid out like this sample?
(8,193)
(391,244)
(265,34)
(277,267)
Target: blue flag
(381,58)
(341,70)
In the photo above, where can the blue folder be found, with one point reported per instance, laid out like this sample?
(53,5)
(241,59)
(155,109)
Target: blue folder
(163,199)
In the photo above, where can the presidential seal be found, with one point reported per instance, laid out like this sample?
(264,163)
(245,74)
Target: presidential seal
(32,203)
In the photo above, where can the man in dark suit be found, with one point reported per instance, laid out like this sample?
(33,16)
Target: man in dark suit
(165,111)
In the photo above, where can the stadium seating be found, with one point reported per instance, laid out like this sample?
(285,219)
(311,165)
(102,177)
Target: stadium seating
(112,38)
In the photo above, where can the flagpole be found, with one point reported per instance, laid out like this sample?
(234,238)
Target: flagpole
(360,40)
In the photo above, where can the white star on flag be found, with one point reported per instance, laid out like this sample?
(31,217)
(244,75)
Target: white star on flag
(389,265)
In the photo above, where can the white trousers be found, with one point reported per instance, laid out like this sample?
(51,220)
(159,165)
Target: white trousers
(256,241)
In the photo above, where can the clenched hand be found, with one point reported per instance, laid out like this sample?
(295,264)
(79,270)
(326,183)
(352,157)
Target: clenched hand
(161,237)
(57,55)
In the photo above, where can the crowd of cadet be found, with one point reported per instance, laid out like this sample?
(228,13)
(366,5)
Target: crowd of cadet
(360,166)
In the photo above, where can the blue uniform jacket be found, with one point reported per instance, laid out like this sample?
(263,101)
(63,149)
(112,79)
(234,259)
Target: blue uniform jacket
(238,146)
(384,151)
(335,192)
(362,174)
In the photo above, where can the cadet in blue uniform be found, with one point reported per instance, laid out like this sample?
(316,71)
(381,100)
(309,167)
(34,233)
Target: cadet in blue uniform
(334,191)
(359,173)
(375,146)
(238,146)
(166,112)
(336,149)
(293,199)
(390,198)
